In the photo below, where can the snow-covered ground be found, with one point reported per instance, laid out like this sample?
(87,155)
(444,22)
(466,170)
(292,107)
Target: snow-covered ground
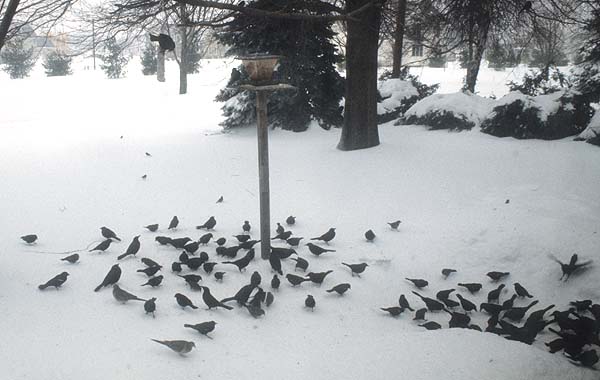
(65,171)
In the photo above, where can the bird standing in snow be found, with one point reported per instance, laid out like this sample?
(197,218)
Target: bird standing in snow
(133,248)
(29,239)
(108,233)
(55,281)
(112,277)
(327,236)
(180,346)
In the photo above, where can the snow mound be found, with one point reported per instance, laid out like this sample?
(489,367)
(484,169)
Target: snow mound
(394,92)
(544,104)
(593,129)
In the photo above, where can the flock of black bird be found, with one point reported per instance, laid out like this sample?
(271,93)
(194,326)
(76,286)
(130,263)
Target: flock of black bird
(577,328)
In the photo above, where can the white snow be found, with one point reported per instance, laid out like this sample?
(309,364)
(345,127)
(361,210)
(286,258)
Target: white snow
(474,108)
(65,171)
(593,128)
(544,104)
(394,91)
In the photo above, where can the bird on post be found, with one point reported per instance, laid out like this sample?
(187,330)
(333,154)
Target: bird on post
(174,223)
(112,277)
(107,233)
(29,239)
(133,248)
(55,281)
(180,346)
(165,42)
(327,236)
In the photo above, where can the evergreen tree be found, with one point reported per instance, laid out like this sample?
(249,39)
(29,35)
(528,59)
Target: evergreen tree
(500,56)
(113,60)
(16,59)
(308,62)
(57,64)
(148,58)
(587,73)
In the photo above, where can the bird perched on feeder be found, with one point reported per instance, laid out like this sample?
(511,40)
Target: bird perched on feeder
(165,42)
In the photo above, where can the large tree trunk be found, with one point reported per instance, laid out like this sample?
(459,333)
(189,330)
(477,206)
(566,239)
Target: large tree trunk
(473,68)
(11,9)
(160,65)
(398,38)
(360,111)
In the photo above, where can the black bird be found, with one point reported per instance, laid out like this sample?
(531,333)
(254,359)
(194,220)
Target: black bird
(291,220)
(419,283)
(204,256)
(581,305)
(148,154)
(300,263)
(466,304)
(587,358)
(402,301)
(527,6)
(394,225)
(192,280)
(165,42)
(517,313)
(108,233)
(538,315)
(248,244)
(194,263)
(112,277)
(191,247)
(163,240)
(497,276)
(246,226)
(310,302)
(150,306)
(71,258)
(183,301)
(459,320)
(294,241)
(221,241)
(208,267)
(219,276)
(283,236)
(145,176)
(447,271)
(211,301)
(269,299)
(432,305)
(204,239)
(255,279)
(255,311)
(508,304)
(420,314)
(295,280)
(275,262)
(150,271)
(393,310)
(370,235)
(357,268)
(241,297)
(431,325)
(55,281)
(340,288)
(242,238)
(174,223)
(279,229)
(319,277)
(203,328)
(450,303)
(152,227)
(243,262)
(259,297)
(494,295)
(133,248)
(154,281)
(149,262)
(283,253)
(490,308)
(444,294)
(316,250)
(471,287)
(29,239)
(180,346)
(103,246)
(209,224)
(184,258)
(571,267)
(521,291)
(275,282)
(179,243)
(327,236)
(220,200)
(230,252)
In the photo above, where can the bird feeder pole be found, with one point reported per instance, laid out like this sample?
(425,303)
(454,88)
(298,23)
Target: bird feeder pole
(260,68)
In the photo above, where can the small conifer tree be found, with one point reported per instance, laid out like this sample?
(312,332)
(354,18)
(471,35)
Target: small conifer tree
(113,59)
(17,60)
(57,64)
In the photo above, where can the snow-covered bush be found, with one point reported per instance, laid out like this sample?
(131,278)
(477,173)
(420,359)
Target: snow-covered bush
(457,111)
(548,117)
(592,133)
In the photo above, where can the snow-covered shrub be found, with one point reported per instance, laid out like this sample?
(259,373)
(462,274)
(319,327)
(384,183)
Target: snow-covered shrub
(548,117)
(592,133)
(541,82)
(457,111)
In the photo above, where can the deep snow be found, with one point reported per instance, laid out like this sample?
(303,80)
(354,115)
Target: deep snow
(65,172)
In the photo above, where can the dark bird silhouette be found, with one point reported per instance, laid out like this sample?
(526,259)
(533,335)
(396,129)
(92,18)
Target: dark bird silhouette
(517,313)
(29,239)
(149,262)
(275,262)
(466,304)
(220,200)
(444,294)
(145,176)
(587,358)
(55,281)
(152,227)
(431,325)
(203,328)
(571,267)
(275,282)
(112,277)
(204,239)
(123,295)
(521,291)
(471,287)
(490,308)
(494,295)
(180,346)
(103,246)
(394,311)
(255,311)
(403,302)
(497,276)
(209,224)
(340,288)
(174,223)
(419,283)
(319,277)
(150,306)
(208,267)
(356,268)
(163,240)
(219,276)
(450,303)
(295,280)
(150,271)
(327,236)
(242,238)
(184,258)
(290,220)
(255,279)
(242,295)
(248,244)
(148,154)
(432,305)
(581,305)
(246,227)
(194,263)
(300,264)
(370,235)
(221,241)
(458,320)
(183,301)
(211,301)
(420,314)
(282,236)
(230,252)
(294,241)
(258,298)
(508,304)
(133,248)
(447,272)
(316,250)
(108,233)
(154,281)
(527,7)
(310,302)
(71,258)
(165,42)
(394,225)
(538,315)
(269,299)
(191,247)
(283,253)
(179,243)
(279,229)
